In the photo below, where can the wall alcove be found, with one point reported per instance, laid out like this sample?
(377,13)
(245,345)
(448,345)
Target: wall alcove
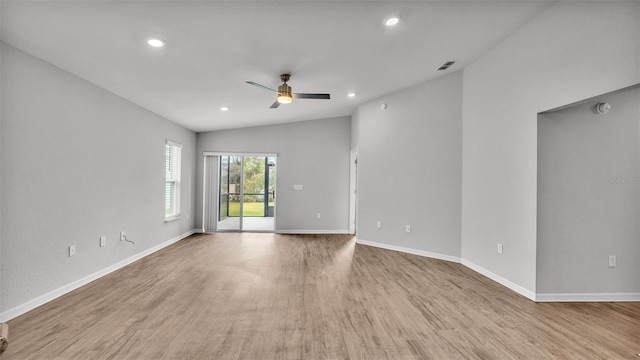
(589,200)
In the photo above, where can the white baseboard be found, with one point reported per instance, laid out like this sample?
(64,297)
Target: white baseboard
(409,250)
(576,297)
(312,231)
(585,297)
(500,280)
(43,299)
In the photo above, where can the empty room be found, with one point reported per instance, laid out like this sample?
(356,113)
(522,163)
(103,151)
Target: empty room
(319,179)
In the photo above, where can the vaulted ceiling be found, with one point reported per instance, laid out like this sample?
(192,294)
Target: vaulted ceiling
(213,47)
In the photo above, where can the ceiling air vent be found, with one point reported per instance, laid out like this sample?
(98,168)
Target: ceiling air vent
(446,65)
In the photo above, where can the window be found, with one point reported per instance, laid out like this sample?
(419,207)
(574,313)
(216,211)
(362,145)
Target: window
(173,158)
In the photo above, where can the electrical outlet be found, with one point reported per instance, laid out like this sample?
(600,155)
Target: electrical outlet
(72,250)
(103,241)
(499,248)
(612,261)
(318,216)
(122,236)
(407,228)
(379,224)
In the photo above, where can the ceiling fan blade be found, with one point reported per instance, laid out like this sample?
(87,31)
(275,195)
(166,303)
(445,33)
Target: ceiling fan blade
(311,96)
(260,86)
(275,105)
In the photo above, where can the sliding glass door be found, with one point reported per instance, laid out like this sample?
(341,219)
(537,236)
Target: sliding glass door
(229,193)
(246,193)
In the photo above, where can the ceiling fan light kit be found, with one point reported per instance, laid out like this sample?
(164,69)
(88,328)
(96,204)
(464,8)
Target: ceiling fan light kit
(285,99)
(285,96)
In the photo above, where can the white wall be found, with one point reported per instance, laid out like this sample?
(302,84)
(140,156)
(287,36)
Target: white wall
(314,154)
(409,168)
(78,163)
(355,128)
(1,266)
(572,51)
(588,198)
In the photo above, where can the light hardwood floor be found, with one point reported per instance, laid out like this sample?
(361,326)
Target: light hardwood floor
(266,296)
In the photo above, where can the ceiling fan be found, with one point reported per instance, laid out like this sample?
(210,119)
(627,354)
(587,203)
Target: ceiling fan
(285,95)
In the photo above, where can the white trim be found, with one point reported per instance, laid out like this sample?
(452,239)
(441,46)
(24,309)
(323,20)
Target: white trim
(575,297)
(409,251)
(353,189)
(500,280)
(205,171)
(586,297)
(288,231)
(241,214)
(173,143)
(43,299)
(172,218)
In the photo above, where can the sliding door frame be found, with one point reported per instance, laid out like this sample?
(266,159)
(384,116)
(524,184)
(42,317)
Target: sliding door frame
(207,188)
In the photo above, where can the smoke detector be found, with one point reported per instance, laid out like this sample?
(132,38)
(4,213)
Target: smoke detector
(603,108)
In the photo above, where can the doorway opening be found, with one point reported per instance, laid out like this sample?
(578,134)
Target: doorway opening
(245,193)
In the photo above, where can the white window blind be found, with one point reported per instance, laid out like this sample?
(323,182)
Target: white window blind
(173,158)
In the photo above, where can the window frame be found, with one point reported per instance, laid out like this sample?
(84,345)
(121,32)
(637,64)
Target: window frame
(176,173)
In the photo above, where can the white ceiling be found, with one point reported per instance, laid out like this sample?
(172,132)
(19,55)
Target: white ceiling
(213,47)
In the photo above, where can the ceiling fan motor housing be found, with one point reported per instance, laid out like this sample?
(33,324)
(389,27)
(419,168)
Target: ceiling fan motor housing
(284,94)
(284,89)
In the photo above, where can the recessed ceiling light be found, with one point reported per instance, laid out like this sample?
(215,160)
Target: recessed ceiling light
(351,94)
(392,21)
(156,42)
(224,108)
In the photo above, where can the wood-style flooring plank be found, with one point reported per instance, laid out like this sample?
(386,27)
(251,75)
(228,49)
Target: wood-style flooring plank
(282,297)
